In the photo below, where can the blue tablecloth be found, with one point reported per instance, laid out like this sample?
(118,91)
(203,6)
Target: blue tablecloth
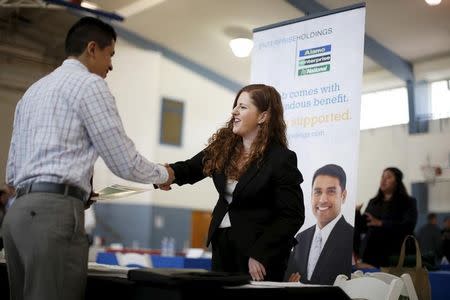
(167,261)
(445,267)
(440,284)
(107,258)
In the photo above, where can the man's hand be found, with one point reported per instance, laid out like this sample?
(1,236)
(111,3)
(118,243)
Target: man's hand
(372,221)
(295,277)
(256,269)
(171,173)
(166,186)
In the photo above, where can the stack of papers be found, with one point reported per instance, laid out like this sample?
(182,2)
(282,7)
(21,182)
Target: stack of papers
(108,270)
(274,284)
(117,191)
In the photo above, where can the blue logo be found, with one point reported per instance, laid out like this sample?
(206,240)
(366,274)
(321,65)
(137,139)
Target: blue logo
(314,51)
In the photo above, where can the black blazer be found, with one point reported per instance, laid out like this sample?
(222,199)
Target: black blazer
(335,258)
(267,208)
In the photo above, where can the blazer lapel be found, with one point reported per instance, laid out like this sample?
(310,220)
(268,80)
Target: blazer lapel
(328,249)
(245,179)
(251,172)
(220,182)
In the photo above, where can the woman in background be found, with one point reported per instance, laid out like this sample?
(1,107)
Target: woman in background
(260,205)
(389,218)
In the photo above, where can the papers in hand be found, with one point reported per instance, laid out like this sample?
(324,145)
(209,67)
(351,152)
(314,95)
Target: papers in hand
(117,191)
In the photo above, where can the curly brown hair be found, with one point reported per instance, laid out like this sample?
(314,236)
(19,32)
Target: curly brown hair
(225,148)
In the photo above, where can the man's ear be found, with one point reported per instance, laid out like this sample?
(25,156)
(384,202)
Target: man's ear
(90,48)
(344,196)
(262,117)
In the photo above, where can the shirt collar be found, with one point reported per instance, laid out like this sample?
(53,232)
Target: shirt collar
(326,230)
(75,63)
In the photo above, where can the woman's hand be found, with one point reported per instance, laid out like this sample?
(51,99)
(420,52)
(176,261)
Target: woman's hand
(372,221)
(295,277)
(256,269)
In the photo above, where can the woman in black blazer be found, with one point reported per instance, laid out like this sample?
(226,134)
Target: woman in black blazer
(260,205)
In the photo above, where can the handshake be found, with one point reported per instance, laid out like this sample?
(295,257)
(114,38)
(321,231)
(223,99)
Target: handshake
(166,185)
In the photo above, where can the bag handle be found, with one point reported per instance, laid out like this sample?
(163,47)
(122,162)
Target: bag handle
(401,261)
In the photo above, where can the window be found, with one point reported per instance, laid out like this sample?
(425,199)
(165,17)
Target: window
(384,108)
(171,122)
(440,99)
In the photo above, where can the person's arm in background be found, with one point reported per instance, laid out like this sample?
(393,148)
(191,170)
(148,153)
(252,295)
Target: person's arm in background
(6,192)
(404,224)
(361,218)
(439,245)
(101,119)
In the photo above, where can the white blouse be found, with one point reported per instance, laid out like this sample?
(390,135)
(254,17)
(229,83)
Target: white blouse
(229,189)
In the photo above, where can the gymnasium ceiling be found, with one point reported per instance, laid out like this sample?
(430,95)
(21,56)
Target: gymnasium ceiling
(199,30)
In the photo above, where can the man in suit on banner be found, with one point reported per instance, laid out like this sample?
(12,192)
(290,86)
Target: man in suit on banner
(325,249)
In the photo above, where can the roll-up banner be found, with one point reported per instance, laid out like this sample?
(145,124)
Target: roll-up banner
(316,64)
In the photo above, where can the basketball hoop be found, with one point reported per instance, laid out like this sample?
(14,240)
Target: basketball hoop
(430,172)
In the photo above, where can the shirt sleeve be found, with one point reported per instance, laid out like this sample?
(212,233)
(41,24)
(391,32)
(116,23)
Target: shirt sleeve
(189,171)
(101,119)
(10,165)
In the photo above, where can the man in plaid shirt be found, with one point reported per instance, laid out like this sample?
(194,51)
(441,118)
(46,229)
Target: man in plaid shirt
(62,124)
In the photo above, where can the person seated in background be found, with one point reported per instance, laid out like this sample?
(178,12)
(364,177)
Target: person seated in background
(324,250)
(446,238)
(389,217)
(430,241)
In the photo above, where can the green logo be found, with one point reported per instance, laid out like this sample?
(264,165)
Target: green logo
(314,70)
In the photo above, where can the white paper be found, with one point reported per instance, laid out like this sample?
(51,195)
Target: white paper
(117,191)
(108,270)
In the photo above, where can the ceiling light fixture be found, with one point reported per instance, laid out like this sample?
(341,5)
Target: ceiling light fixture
(241,47)
(89,5)
(433,2)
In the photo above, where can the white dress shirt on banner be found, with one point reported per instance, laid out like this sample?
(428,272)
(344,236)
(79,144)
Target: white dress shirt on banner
(319,239)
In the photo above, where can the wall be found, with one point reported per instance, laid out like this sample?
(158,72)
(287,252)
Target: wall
(134,82)
(144,226)
(139,81)
(207,107)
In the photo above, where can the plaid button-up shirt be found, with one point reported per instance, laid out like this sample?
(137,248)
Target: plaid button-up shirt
(63,123)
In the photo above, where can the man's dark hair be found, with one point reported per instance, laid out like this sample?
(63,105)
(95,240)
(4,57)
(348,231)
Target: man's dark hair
(400,189)
(88,29)
(431,217)
(333,171)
